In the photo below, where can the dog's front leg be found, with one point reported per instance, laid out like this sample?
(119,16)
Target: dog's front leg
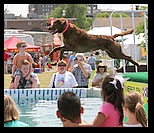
(56,49)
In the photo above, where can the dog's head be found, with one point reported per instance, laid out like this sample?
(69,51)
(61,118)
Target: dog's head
(57,26)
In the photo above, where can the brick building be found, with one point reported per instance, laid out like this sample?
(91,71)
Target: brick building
(39,24)
(29,24)
(127,22)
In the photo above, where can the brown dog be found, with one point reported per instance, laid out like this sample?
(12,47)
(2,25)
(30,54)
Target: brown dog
(78,40)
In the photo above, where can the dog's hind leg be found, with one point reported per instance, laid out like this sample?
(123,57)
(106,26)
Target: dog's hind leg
(131,60)
(121,55)
(110,54)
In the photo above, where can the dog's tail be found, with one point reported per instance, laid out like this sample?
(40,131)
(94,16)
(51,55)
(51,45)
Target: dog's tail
(124,33)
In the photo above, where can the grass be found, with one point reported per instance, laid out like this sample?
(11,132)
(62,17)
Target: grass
(44,78)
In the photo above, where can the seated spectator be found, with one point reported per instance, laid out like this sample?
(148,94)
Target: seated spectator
(69,107)
(100,75)
(11,114)
(19,81)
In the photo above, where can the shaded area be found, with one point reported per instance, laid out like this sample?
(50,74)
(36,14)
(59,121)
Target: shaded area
(141,68)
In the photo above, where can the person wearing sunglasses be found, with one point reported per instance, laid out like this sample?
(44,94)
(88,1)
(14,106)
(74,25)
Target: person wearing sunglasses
(99,75)
(22,54)
(63,78)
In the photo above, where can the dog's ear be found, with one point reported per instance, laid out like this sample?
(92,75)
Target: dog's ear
(62,20)
(50,22)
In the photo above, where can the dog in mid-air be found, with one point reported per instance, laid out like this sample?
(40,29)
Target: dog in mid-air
(78,40)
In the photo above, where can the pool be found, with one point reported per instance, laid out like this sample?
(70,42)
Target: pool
(43,113)
(38,106)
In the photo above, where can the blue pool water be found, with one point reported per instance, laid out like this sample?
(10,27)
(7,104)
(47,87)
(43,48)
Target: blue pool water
(38,106)
(43,113)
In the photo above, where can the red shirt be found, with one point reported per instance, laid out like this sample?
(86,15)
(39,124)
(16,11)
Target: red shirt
(6,56)
(49,66)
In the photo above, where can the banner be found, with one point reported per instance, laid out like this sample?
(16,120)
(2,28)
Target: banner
(140,87)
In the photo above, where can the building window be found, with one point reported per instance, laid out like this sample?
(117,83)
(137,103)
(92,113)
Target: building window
(41,23)
(30,23)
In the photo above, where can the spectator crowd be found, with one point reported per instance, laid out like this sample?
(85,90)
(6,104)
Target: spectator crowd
(73,72)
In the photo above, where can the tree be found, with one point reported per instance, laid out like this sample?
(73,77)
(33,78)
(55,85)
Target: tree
(107,15)
(58,12)
(117,15)
(103,15)
(77,11)
(140,29)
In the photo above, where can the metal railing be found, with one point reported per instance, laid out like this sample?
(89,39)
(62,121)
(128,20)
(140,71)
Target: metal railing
(121,25)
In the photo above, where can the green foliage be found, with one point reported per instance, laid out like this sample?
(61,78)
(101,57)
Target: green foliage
(77,11)
(58,12)
(143,8)
(107,15)
(103,15)
(140,29)
(117,15)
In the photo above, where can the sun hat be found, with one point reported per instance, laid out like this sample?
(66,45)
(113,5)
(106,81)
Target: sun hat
(102,64)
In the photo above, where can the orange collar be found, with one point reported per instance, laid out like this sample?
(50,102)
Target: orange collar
(66,27)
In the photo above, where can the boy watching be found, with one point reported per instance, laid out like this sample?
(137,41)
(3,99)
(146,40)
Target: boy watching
(22,54)
(69,107)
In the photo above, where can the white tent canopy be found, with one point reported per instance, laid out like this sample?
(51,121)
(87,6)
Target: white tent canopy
(104,30)
(129,39)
